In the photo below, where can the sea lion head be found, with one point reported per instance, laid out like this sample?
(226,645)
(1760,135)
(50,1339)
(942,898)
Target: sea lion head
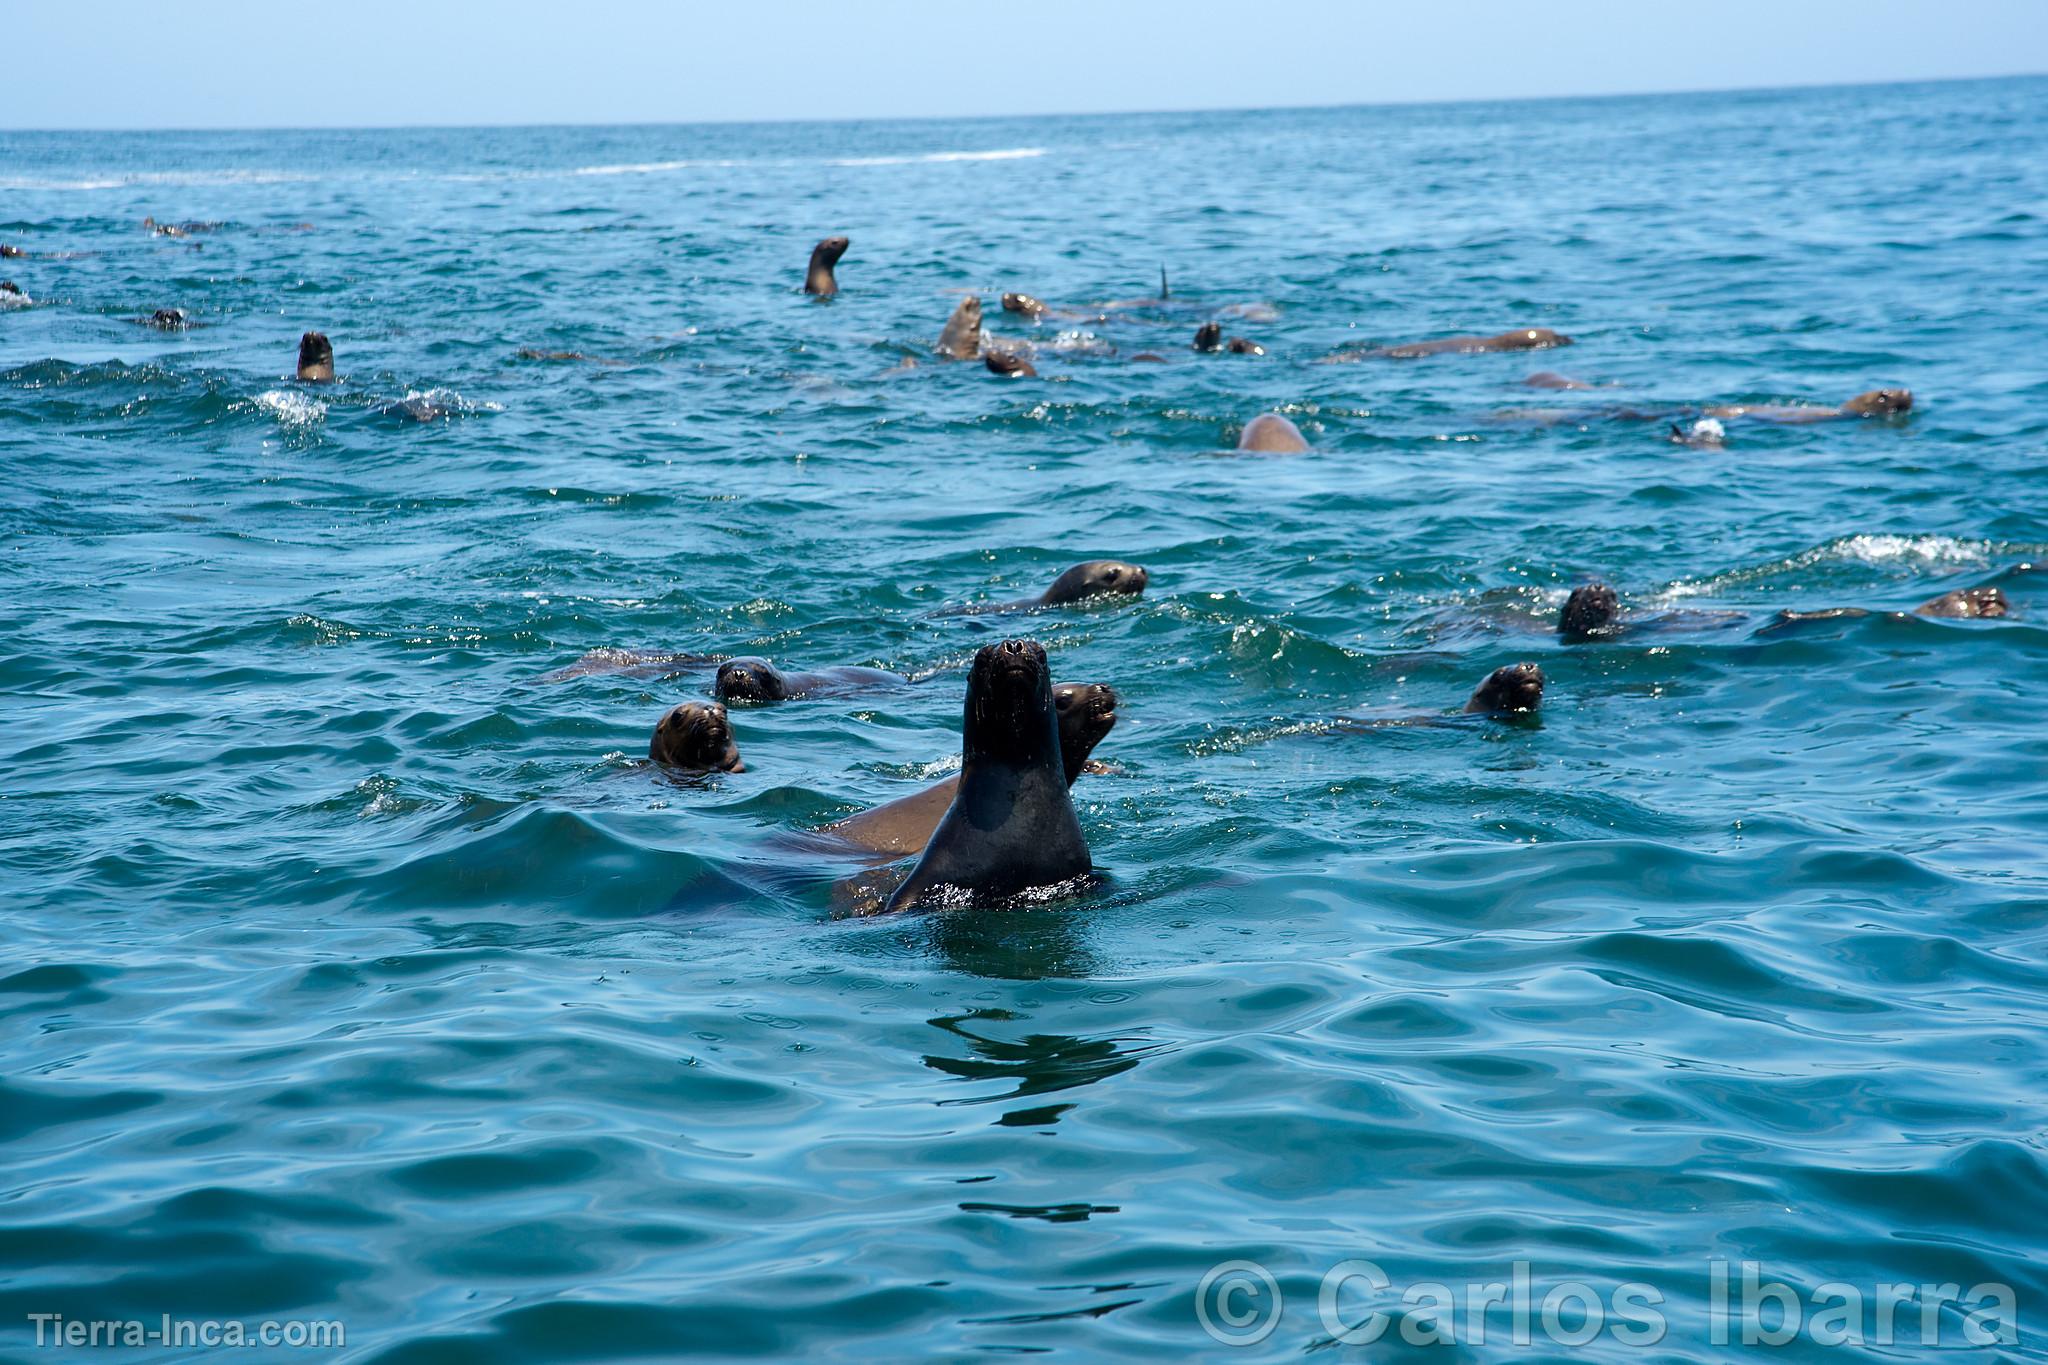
(961,338)
(828,252)
(1010,365)
(316,358)
(1879,403)
(1518,687)
(170,319)
(1009,716)
(1241,346)
(1087,712)
(1022,303)
(1967,602)
(1097,578)
(696,735)
(1535,338)
(1589,610)
(750,679)
(1209,337)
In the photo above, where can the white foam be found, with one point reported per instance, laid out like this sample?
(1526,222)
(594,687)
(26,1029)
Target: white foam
(1876,550)
(293,411)
(999,154)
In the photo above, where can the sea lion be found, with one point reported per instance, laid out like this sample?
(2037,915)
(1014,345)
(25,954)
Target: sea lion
(1010,365)
(961,340)
(1517,339)
(1086,711)
(1967,603)
(1875,403)
(696,735)
(1024,304)
(1551,379)
(1012,824)
(7,250)
(168,320)
(11,295)
(753,679)
(1272,434)
(818,278)
(1209,339)
(316,358)
(1518,687)
(1096,578)
(1589,611)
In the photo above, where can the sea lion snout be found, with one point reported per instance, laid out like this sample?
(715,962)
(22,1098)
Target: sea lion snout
(1516,687)
(1590,609)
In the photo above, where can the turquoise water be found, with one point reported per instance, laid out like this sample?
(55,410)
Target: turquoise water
(352,972)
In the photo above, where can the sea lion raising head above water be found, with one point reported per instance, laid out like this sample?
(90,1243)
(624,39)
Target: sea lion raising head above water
(316,358)
(1589,611)
(1011,825)
(1518,687)
(696,735)
(819,279)
(961,339)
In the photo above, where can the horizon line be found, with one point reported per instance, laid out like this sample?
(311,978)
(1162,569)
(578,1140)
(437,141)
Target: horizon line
(1673,93)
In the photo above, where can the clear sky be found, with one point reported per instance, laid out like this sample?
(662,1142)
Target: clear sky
(302,63)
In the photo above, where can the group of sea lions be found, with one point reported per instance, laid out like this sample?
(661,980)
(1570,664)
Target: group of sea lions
(1006,823)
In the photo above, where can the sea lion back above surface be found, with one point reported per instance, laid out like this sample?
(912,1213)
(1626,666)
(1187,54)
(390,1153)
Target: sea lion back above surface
(1272,434)
(1011,825)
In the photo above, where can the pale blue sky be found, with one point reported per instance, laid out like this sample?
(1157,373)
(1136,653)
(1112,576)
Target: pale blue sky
(287,63)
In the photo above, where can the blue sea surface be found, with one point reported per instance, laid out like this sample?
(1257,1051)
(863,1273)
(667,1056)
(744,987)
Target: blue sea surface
(354,970)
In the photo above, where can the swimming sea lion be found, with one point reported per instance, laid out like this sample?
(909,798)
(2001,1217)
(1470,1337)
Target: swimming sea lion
(1209,337)
(1272,434)
(1876,403)
(1705,434)
(11,295)
(1519,339)
(961,340)
(818,279)
(1024,304)
(752,678)
(1009,364)
(1518,687)
(1590,610)
(1086,711)
(1551,379)
(6,250)
(1096,578)
(1966,602)
(169,319)
(696,735)
(1011,824)
(316,358)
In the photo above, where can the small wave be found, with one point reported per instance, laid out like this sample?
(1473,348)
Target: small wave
(1000,154)
(293,411)
(1880,550)
(649,167)
(138,179)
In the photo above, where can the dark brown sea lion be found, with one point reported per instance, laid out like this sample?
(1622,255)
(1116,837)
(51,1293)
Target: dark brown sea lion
(1968,603)
(169,320)
(7,251)
(1024,304)
(1518,339)
(754,679)
(1009,364)
(1095,578)
(11,295)
(1589,611)
(1518,687)
(1086,711)
(316,358)
(961,339)
(1272,434)
(1876,403)
(696,735)
(819,279)
(1011,825)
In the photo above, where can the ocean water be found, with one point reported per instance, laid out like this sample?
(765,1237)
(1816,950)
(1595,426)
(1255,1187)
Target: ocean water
(354,972)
